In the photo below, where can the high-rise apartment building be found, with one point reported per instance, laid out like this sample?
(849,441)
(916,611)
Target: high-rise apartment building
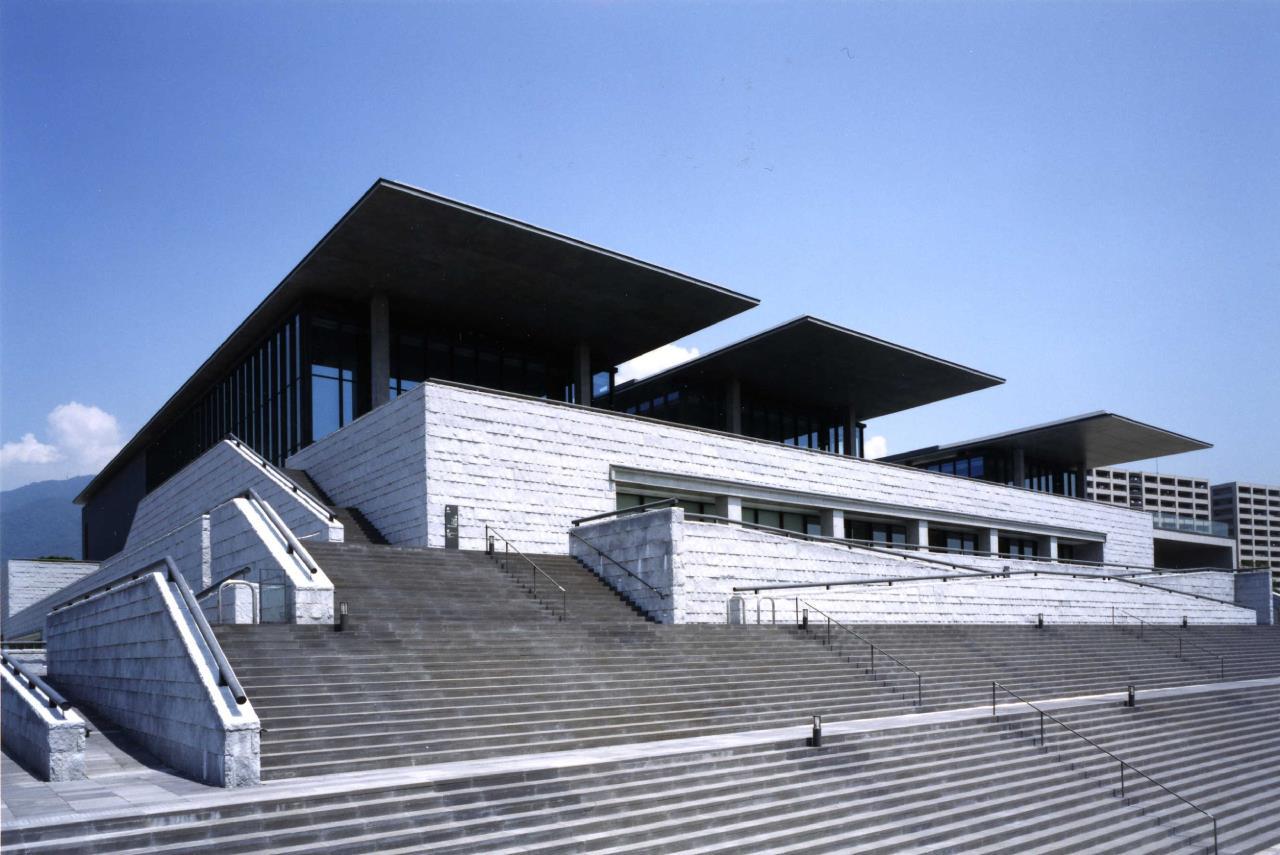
(1252,512)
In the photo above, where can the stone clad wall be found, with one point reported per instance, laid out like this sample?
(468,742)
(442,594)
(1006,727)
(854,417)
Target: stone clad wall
(187,544)
(219,474)
(644,544)
(1219,586)
(530,467)
(27,582)
(378,464)
(49,744)
(1254,591)
(709,560)
(135,654)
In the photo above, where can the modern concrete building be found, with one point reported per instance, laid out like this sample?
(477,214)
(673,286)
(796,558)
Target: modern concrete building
(1252,513)
(403,538)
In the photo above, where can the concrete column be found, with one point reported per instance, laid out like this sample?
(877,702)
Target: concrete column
(832,523)
(1082,482)
(582,372)
(729,507)
(379,350)
(989,539)
(733,406)
(850,431)
(1048,547)
(918,533)
(1019,467)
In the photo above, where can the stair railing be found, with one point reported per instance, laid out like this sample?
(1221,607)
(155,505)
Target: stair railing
(1142,625)
(169,570)
(294,487)
(36,683)
(1123,764)
(832,622)
(292,544)
(634,509)
(603,556)
(508,549)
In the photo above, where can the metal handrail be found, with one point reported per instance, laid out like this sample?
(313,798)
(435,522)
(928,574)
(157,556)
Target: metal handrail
(604,555)
(635,509)
(54,699)
(1222,667)
(294,546)
(508,547)
(833,622)
(946,577)
(254,598)
(294,486)
(226,676)
(1123,763)
(248,568)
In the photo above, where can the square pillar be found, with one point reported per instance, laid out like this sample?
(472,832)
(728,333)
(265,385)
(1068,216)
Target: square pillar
(918,533)
(733,406)
(832,523)
(582,373)
(729,507)
(1049,547)
(1019,467)
(850,425)
(989,540)
(379,350)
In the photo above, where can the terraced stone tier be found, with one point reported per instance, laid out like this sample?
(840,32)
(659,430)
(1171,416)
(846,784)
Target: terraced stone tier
(980,785)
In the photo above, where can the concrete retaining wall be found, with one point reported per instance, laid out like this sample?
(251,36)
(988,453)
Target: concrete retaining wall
(1219,586)
(529,467)
(48,743)
(1254,591)
(645,545)
(26,582)
(703,563)
(135,654)
(378,464)
(221,473)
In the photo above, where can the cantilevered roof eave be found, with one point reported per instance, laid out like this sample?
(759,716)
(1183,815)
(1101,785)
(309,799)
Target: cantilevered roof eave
(771,345)
(1073,427)
(287,294)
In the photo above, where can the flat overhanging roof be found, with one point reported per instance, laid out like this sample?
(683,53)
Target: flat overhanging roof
(820,364)
(506,278)
(1094,439)
(479,270)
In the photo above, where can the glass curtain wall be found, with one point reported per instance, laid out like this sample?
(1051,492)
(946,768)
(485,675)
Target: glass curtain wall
(418,353)
(259,401)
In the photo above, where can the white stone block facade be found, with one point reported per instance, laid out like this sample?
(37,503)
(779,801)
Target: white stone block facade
(699,564)
(27,582)
(529,467)
(135,654)
(50,744)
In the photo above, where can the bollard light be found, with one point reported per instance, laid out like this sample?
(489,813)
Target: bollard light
(1040,621)
(815,741)
(804,620)
(1184,621)
(1133,699)
(342,617)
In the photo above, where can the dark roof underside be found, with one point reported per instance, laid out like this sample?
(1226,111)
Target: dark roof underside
(482,272)
(814,363)
(1092,440)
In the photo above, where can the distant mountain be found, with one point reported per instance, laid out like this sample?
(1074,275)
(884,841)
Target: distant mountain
(39,519)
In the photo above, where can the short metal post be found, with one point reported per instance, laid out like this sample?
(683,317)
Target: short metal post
(828,631)
(804,620)
(815,741)
(993,697)
(1042,729)
(1133,697)
(873,659)
(1121,778)
(341,625)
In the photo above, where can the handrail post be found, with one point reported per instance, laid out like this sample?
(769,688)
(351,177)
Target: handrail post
(993,697)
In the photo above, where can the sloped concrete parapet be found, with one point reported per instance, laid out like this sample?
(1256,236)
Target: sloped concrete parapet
(49,742)
(135,655)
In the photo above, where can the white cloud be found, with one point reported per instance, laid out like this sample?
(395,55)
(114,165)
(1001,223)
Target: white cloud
(667,356)
(28,450)
(82,438)
(875,447)
(85,434)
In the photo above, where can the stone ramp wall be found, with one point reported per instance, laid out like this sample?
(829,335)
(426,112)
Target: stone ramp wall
(49,743)
(135,655)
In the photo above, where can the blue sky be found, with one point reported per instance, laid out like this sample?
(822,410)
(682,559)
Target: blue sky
(1083,198)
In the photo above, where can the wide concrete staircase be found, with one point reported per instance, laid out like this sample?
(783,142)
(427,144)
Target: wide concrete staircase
(980,785)
(957,663)
(445,657)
